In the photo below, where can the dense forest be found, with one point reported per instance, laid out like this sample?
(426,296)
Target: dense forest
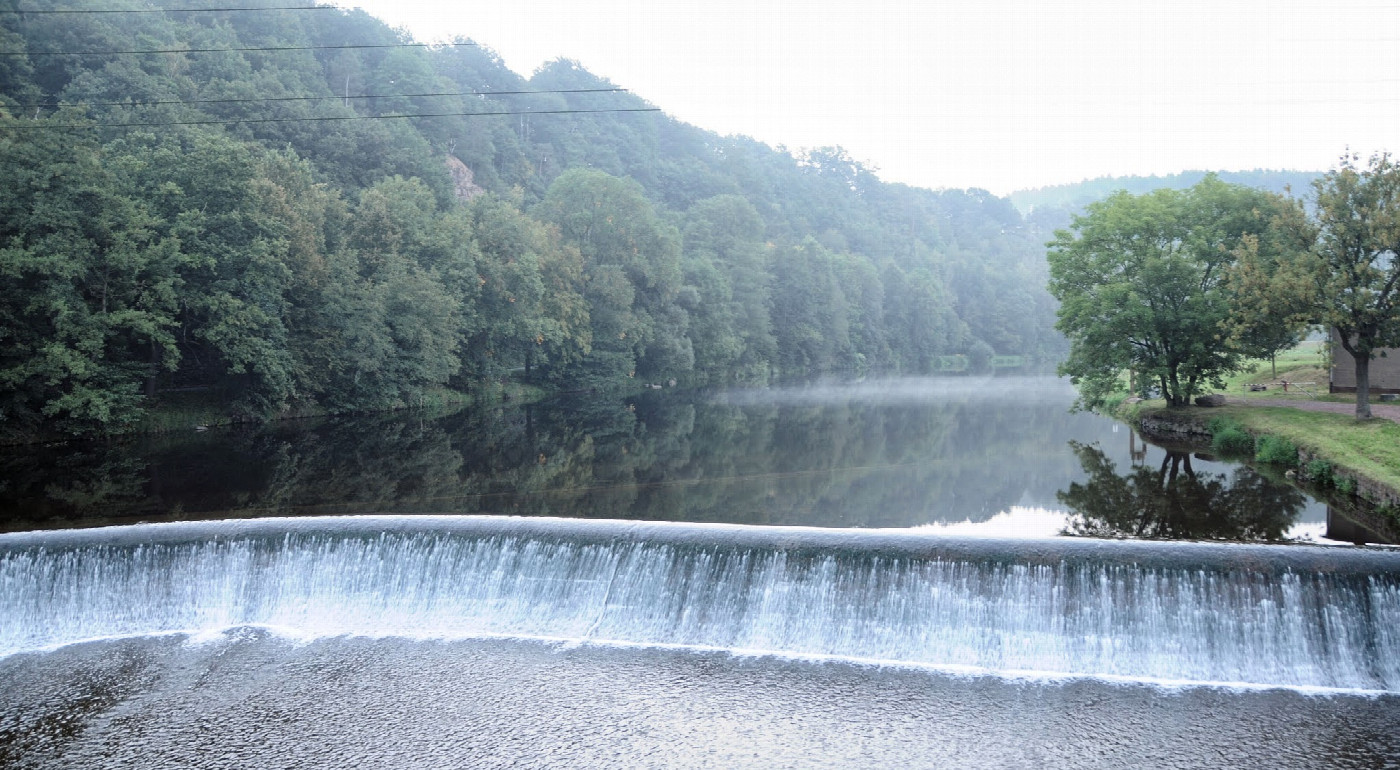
(230,203)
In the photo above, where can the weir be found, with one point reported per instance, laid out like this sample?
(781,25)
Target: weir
(1294,616)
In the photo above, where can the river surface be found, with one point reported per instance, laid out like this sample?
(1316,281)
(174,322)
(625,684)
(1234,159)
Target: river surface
(996,456)
(918,573)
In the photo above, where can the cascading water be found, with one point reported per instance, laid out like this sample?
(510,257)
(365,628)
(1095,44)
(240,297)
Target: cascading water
(1295,617)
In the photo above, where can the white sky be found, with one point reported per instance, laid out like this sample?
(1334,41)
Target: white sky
(998,94)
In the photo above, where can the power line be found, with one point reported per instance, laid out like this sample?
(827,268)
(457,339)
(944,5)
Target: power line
(319,98)
(215,121)
(73,12)
(225,50)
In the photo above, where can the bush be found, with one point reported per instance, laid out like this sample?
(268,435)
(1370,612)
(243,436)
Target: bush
(1320,471)
(1346,484)
(1279,451)
(1232,441)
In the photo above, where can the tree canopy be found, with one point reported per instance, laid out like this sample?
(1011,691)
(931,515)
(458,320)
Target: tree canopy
(1140,279)
(248,224)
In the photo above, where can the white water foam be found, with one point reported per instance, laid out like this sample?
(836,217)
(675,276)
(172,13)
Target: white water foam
(1115,621)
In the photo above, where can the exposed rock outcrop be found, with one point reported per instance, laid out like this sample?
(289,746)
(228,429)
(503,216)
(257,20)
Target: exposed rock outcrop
(463,181)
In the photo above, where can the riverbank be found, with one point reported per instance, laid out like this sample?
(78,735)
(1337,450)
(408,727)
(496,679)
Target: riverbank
(1353,465)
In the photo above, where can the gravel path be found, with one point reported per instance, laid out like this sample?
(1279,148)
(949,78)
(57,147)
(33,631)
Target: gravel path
(1388,411)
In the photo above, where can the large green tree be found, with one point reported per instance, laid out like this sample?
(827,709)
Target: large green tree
(1139,279)
(1352,276)
(1336,268)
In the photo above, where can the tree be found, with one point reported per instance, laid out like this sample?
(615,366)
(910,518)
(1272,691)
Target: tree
(89,286)
(1351,278)
(632,274)
(1139,279)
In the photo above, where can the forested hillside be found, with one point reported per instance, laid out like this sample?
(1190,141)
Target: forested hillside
(259,225)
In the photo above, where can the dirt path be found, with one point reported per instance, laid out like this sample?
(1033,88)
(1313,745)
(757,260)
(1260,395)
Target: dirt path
(1388,411)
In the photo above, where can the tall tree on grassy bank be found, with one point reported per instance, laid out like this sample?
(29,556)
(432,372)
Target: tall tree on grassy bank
(1139,279)
(1338,268)
(1351,275)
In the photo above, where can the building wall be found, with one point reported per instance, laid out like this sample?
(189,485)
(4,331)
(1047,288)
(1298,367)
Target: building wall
(1385,371)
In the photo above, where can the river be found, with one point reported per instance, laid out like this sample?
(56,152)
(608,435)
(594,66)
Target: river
(918,573)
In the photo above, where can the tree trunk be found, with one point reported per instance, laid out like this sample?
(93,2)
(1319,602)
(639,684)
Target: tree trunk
(1363,385)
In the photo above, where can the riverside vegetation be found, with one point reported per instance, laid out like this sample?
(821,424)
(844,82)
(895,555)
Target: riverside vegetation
(243,234)
(1354,463)
(1184,288)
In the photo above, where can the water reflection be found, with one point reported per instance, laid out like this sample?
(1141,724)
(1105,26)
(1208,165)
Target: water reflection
(902,454)
(1174,501)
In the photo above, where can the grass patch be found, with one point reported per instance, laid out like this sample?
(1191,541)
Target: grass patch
(1370,448)
(1306,363)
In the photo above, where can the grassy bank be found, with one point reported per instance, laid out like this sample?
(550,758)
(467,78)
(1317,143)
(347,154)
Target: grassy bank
(1330,451)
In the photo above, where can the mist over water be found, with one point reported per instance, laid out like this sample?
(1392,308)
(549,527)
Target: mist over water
(1012,392)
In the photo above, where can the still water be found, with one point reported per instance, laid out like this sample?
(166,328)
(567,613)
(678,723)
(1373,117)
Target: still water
(996,456)
(847,575)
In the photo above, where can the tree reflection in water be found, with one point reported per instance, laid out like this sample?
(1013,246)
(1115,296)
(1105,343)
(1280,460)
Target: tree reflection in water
(1173,501)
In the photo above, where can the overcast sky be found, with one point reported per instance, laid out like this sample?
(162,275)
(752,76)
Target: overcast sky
(997,94)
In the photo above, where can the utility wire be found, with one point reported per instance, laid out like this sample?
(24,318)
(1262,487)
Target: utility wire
(215,121)
(223,50)
(73,12)
(317,98)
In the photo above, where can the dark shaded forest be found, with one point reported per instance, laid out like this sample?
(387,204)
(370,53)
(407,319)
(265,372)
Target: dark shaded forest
(259,226)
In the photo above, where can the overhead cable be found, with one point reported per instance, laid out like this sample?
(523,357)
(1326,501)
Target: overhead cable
(142,103)
(30,126)
(226,50)
(92,11)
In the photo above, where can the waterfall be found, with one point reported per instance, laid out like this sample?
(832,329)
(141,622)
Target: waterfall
(1292,616)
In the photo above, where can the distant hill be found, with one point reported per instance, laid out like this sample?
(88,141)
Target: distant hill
(1073,196)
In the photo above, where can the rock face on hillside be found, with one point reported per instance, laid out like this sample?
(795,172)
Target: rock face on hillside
(463,182)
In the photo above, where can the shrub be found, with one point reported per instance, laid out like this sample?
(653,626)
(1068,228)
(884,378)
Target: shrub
(1279,451)
(1346,484)
(1232,441)
(1320,471)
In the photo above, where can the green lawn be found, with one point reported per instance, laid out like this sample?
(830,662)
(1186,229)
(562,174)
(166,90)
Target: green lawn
(1307,364)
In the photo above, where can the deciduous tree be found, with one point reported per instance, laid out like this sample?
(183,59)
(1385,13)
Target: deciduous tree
(1139,279)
